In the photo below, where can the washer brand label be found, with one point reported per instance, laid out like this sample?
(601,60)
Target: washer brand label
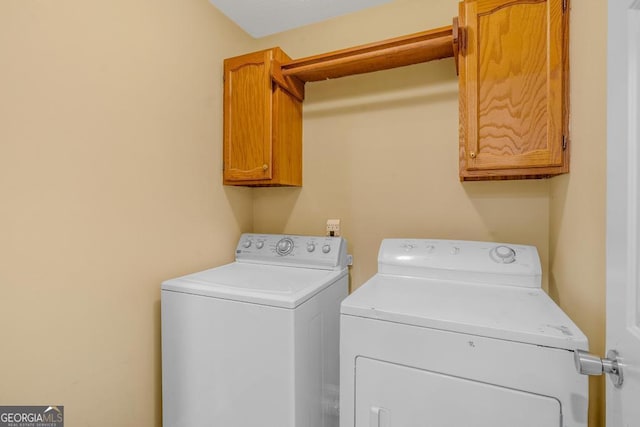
(31,416)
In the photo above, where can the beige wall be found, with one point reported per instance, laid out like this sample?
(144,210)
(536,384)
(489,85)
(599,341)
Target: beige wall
(380,151)
(577,224)
(110,155)
(110,147)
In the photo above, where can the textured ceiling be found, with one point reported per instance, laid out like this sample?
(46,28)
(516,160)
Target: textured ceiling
(264,17)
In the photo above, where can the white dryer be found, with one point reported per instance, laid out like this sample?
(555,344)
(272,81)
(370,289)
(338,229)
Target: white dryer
(255,342)
(458,334)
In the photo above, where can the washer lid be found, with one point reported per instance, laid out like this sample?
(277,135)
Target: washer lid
(271,285)
(510,313)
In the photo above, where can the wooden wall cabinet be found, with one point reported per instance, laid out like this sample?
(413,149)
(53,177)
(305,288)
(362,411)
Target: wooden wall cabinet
(513,74)
(262,121)
(512,57)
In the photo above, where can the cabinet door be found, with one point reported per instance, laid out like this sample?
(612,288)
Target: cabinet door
(248,117)
(513,75)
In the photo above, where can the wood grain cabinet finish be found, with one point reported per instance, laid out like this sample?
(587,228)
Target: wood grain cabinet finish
(262,121)
(513,65)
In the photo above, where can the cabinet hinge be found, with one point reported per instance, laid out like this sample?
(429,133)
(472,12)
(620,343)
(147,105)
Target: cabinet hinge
(564,142)
(565,5)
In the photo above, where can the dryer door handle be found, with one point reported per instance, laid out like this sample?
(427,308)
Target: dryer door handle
(378,417)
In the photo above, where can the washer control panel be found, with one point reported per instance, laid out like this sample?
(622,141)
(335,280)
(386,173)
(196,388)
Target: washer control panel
(468,261)
(294,250)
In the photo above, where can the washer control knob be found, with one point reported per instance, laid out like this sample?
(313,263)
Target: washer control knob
(260,245)
(247,243)
(326,249)
(503,254)
(311,247)
(284,246)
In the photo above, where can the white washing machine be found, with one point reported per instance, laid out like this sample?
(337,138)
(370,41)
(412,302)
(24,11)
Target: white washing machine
(255,342)
(458,334)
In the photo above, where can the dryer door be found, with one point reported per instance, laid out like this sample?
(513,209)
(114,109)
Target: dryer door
(390,395)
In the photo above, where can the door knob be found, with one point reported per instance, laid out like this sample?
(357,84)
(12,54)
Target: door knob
(590,364)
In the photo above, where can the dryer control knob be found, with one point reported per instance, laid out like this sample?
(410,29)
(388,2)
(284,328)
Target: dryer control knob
(247,244)
(326,249)
(259,245)
(503,254)
(311,247)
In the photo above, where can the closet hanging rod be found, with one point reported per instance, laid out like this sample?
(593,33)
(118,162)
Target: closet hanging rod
(392,53)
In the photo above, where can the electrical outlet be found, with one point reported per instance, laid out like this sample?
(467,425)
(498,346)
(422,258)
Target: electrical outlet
(333,227)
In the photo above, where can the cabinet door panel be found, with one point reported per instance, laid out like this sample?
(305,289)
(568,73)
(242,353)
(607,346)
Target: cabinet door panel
(515,74)
(248,117)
